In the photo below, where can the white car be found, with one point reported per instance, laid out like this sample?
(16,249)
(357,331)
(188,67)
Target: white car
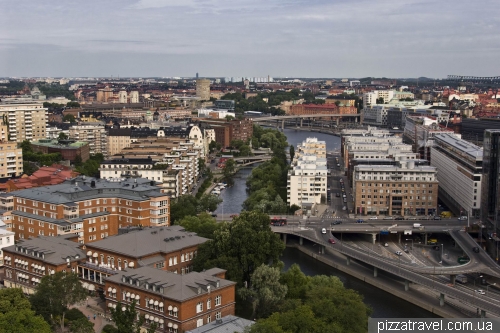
(323,231)
(373,218)
(398,253)
(480,292)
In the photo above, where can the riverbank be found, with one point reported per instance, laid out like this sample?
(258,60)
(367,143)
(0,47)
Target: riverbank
(416,295)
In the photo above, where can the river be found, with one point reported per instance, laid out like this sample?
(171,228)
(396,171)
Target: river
(384,305)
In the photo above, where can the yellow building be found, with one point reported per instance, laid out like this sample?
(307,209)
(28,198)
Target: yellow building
(11,157)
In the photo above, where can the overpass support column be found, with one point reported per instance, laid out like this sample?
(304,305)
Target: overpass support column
(399,238)
(337,121)
(348,261)
(283,124)
(301,121)
(375,271)
(407,285)
(452,278)
(441,299)
(483,314)
(425,239)
(301,241)
(284,238)
(374,238)
(321,249)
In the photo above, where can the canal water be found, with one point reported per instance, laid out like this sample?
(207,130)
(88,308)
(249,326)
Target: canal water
(384,305)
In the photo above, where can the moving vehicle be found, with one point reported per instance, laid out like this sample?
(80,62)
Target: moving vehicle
(416,225)
(462,218)
(432,241)
(337,195)
(374,218)
(360,221)
(386,244)
(437,217)
(480,292)
(278,220)
(331,241)
(461,278)
(344,208)
(338,164)
(323,231)
(399,218)
(336,222)
(475,249)
(446,214)
(398,253)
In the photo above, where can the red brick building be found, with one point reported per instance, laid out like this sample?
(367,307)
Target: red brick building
(69,149)
(313,109)
(227,131)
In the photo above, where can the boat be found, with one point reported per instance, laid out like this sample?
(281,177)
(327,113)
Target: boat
(216,192)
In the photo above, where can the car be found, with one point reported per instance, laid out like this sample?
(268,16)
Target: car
(386,244)
(399,218)
(475,249)
(331,241)
(388,218)
(406,250)
(412,218)
(344,195)
(462,218)
(360,221)
(480,292)
(336,222)
(344,208)
(374,218)
(345,200)
(437,217)
(398,253)
(214,215)
(323,231)
(341,180)
(338,164)
(337,195)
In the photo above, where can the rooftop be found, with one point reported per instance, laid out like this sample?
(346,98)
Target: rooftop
(466,147)
(173,286)
(148,241)
(62,144)
(227,324)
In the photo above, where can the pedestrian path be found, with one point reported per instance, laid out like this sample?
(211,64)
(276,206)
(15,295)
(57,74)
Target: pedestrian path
(93,309)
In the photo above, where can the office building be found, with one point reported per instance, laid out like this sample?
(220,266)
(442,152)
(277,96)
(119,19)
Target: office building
(91,208)
(404,190)
(94,134)
(203,89)
(26,118)
(370,98)
(307,177)
(134,97)
(460,170)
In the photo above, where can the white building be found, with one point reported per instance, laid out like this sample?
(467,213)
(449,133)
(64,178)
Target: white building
(122,96)
(307,178)
(370,98)
(217,114)
(94,134)
(460,170)
(134,97)
(27,118)
(6,239)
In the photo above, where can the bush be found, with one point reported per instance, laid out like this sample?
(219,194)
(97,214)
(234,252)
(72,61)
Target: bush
(74,314)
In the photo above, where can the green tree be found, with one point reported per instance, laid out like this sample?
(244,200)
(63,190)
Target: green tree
(16,315)
(81,325)
(70,118)
(212,146)
(185,205)
(56,293)
(229,170)
(63,136)
(241,246)
(265,291)
(26,147)
(292,152)
(380,100)
(109,329)
(229,117)
(204,225)
(125,320)
(201,166)
(73,104)
(208,203)
(29,168)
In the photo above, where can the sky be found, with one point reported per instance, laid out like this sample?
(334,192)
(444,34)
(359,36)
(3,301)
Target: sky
(251,38)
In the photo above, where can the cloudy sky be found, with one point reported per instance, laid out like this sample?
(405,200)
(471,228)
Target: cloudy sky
(305,38)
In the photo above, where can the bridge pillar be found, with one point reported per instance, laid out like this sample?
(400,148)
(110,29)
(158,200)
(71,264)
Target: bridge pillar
(441,299)
(375,271)
(399,238)
(425,239)
(301,241)
(348,261)
(284,238)
(277,123)
(338,121)
(283,124)
(374,238)
(301,121)
(483,314)
(322,249)
(453,278)
(407,285)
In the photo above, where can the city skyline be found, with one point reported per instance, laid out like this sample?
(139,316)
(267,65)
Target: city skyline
(217,38)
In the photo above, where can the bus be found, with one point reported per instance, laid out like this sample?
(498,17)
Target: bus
(278,220)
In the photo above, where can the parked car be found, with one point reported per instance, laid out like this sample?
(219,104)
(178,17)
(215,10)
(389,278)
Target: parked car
(360,221)
(386,244)
(388,218)
(437,217)
(398,253)
(374,218)
(214,215)
(331,241)
(323,231)
(399,218)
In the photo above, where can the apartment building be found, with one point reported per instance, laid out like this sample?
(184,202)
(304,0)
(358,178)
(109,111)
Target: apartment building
(341,100)
(307,178)
(26,118)
(6,239)
(461,166)
(313,109)
(11,157)
(203,89)
(177,303)
(91,208)
(29,260)
(375,115)
(370,98)
(395,190)
(227,131)
(118,138)
(94,134)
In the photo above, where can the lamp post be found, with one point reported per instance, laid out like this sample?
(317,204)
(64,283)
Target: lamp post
(408,239)
(489,286)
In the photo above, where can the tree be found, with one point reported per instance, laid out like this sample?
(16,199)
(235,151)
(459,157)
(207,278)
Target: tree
(63,136)
(204,225)
(201,165)
(292,152)
(185,205)
(125,319)
(229,117)
(208,203)
(81,325)
(212,146)
(265,291)
(229,170)
(29,168)
(70,118)
(16,315)
(241,246)
(56,293)
(380,100)
(73,104)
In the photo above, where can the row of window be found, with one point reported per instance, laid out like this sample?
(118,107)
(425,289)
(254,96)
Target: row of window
(387,197)
(405,203)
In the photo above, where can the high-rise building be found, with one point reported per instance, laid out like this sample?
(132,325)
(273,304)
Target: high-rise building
(118,138)
(94,134)
(196,74)
(203,89)
(122,96)
(26,118)
(490,195)
(134,97)
(11,158)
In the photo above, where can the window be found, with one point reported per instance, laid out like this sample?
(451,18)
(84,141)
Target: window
(199,307)
(199,322)
(209,304)
(209,319)
(218,315)
(218,300)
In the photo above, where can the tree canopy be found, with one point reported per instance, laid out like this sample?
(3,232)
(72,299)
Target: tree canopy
(204,224)
(188,205)
(16,315)
(125,320)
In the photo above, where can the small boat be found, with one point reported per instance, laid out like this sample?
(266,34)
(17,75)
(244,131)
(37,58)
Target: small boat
(216,192)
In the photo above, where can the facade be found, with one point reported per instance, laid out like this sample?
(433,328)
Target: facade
(203,89)
(374,115)
(26,118)
(490,190)
(6,239)
(28,261)
(11,157)
(90,208)
(134,97)
(475,128)
(313,109)
(370,98)
(94,134)
(227,131)
(395,190)
(176,302)
(307,178)
(122,96)
(341,100)
(69,149)
(118,138)
(460,165)
(225,104)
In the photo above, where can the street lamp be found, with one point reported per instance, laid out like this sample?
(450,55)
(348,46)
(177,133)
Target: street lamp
(489,286)
(408,239)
